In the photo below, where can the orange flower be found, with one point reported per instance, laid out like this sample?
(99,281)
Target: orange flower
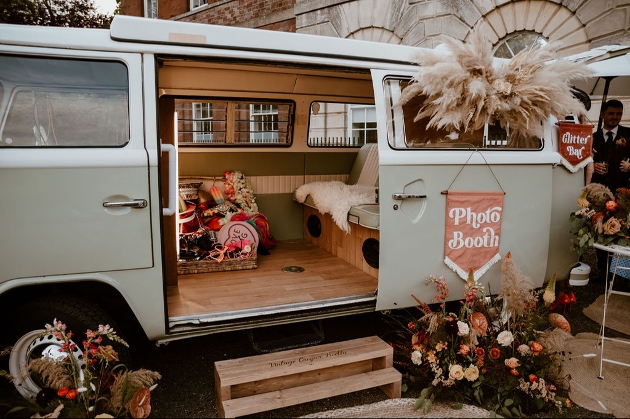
(72,394)
(464,349)
(596,217)
(536,348)
(533,378)
(62,391)
(611,205)
(480,352)
(514,373)
(495,353)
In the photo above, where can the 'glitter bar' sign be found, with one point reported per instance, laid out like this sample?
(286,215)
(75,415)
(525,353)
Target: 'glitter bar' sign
(575,145)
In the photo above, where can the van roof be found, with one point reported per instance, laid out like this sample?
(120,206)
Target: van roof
(137,34)
(168,32)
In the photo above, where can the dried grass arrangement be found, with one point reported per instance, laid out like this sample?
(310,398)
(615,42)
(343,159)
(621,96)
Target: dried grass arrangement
(464,89)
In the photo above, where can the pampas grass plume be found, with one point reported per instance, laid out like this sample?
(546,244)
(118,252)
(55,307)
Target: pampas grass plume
(516,288)
(465,89)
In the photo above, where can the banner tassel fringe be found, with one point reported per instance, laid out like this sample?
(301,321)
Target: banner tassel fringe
(478,273)
(577,167)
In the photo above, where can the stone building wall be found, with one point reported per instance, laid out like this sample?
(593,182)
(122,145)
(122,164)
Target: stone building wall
(578,24)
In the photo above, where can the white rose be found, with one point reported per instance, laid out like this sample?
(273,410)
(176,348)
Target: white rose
(455,372)
(505,338)
(463,328)
(416,357)
(471,373)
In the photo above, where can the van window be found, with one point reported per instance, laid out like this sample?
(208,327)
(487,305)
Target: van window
(204,122)
(404,132)
(53,102)
(341,124)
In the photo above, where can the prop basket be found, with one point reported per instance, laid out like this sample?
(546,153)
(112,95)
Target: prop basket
(210,265)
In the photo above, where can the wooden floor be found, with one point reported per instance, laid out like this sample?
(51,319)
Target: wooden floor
(325,276)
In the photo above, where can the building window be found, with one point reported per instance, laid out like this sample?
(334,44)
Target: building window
(363,124)
(516,42)
(202,122)
(197,3)
(151,9)
(263,125)
(508,47)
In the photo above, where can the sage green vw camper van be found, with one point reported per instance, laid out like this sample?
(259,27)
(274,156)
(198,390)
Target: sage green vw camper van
(112,141)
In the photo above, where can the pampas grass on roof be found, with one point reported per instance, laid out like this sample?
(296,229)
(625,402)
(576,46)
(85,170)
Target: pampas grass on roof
(465,88)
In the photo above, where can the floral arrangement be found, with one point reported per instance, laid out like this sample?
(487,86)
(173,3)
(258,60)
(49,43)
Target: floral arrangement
(91,383)
(501,353)
(239,191)
(603,217)
(464,89)
(620,142)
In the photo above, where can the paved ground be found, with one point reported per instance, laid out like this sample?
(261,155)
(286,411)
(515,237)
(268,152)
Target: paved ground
(187,387)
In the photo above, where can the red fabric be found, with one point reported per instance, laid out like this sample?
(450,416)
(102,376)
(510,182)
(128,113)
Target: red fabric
(576,144)
(473,231)
(259,221)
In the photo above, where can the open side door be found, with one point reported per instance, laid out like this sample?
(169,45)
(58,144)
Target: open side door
(413,174)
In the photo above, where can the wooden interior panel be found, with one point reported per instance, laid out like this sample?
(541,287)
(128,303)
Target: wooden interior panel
(347,247)
(261,79)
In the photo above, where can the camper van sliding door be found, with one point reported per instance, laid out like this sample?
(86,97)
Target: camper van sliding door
(73,166)
(417,165)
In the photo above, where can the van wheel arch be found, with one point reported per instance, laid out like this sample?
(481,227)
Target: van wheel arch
(28,321)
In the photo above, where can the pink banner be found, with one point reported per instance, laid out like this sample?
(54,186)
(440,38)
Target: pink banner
(576,145)
(473,231)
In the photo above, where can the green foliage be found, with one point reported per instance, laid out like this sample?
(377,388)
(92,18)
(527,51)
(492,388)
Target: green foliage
(603,217)
(476,356)
(65,13)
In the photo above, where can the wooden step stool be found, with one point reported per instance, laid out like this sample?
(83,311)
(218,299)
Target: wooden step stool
(274,380)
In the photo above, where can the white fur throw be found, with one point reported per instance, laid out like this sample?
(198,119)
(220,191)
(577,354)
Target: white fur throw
(336,198)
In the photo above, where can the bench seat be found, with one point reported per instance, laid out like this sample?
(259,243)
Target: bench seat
(367,216)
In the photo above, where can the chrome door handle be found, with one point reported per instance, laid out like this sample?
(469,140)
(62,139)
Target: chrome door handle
(136,203)
(401,196)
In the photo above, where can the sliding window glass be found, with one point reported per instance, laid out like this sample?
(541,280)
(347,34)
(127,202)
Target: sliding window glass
(233,122)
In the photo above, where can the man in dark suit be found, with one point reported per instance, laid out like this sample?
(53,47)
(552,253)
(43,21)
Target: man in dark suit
(611,156)
(611,147)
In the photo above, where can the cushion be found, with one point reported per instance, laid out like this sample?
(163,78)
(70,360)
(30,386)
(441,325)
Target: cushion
(365,168)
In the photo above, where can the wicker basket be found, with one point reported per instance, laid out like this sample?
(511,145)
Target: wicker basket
(209,265)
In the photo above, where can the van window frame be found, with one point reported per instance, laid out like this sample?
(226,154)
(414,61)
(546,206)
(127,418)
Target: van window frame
(20,86)
(231,120)
(397,120)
